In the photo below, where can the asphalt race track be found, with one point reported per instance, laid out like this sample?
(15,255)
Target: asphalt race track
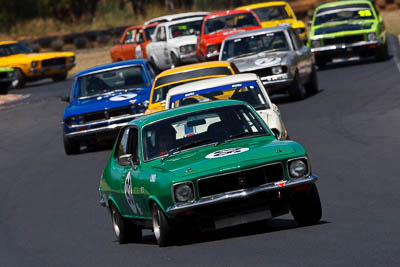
(50,216)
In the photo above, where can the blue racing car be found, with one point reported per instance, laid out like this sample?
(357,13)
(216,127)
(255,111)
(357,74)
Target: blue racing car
(103,99)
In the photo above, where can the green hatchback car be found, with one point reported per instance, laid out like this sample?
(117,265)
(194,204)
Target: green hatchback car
(204,166)
(347,29)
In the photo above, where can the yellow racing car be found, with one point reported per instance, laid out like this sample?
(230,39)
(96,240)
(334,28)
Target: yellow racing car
(29,66)
(276,13)
(181,75)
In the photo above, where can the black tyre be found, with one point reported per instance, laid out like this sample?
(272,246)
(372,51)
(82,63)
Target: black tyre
(175,61)
(20,79)
(124,230)
(71,146)
(60,77)
(297,90)
(306,206)
(312,86)
(382,53)
(161,226)
(4,88)
(321,62)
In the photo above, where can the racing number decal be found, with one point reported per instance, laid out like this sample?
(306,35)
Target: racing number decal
(365,13)
(138,52)
(129,193)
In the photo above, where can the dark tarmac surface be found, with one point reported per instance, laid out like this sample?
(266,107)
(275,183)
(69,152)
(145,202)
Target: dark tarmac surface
(50,216)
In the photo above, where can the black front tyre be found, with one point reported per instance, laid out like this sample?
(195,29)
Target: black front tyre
(312,86)
(175,61)
(71,146)
(306,206)
(20,79)
(382,53)
(161,226)
(297,90)
(4,88)
(124,230)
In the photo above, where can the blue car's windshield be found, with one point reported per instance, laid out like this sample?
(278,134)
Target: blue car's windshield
(344,13)
(124,78)
(249,92)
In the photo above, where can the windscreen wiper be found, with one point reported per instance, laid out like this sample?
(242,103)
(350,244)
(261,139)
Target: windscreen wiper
(176,150)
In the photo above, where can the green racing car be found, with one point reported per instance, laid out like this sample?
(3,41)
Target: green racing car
(346,29)
(208,166)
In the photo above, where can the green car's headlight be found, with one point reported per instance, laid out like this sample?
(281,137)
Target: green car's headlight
(183,192)
(298,168)
(315,43)
(371,36)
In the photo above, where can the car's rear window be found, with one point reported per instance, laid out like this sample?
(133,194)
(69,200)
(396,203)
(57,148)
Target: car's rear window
(192,74)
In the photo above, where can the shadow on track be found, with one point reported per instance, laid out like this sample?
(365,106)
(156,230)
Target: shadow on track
(351,63)
(187,238)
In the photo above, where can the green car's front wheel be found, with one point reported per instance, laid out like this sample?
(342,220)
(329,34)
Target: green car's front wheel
(161,226)
(306,206)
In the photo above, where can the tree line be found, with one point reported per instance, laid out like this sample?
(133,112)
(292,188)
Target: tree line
(12,12)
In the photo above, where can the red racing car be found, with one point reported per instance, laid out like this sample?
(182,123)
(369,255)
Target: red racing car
(217,26)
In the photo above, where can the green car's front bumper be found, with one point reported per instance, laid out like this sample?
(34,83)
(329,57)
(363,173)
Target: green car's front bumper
(361,48)
(224,198)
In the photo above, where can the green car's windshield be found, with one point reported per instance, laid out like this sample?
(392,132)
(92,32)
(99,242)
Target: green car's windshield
(343,13)
(267,42)
(223,23)
(249,92)
(272,13)
(14,49)
(184,29)
(126,78)
(172,135)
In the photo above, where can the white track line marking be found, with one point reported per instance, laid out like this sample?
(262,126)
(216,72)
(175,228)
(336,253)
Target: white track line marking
(397,53)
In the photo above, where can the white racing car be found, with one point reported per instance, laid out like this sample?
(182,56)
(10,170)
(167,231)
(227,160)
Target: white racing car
(174,43)
(245,87)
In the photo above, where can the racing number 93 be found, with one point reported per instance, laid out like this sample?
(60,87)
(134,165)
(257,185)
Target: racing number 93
(365,13)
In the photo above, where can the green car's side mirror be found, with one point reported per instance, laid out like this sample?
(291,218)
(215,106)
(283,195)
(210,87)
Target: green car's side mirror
(125,160)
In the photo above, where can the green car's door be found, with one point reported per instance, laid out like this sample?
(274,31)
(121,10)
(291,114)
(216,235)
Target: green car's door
(125,157)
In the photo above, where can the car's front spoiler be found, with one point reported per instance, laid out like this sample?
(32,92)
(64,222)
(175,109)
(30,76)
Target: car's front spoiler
(112,124)
(343,47)
(242,194)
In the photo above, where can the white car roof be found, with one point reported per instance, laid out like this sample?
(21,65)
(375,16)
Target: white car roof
(177,17)
(174,22)
(209,83)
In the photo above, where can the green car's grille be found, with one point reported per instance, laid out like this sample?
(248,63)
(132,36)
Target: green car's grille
(3,74)
(54,62)
(344,40)
(240,180)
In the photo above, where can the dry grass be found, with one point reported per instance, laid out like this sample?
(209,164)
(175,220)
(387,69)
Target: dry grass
(88,58)
(392,21)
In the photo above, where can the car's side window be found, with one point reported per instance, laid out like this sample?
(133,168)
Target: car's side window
(161,36)
(134,144)
(122,146)
(151,70)
(298,44)
(139,37)
(130,37)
